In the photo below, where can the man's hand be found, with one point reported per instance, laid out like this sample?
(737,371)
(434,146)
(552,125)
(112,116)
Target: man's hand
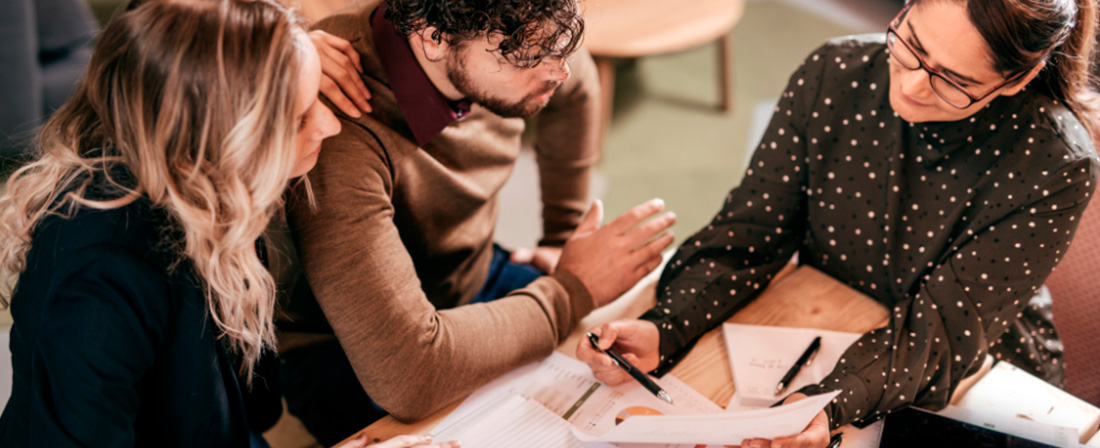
(609,260)
(635,339)
(544,258)
(816,434)
(341,74)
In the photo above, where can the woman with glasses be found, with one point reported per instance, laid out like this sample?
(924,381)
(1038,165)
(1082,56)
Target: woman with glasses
(940,168)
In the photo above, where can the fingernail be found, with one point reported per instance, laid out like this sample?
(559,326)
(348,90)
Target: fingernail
(671,215)
(658,202)
(356,115)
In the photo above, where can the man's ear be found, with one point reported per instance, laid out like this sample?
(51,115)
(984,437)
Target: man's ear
(1019,85)
(434,50)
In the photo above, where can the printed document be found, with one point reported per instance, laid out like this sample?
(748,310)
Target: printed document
(597,414)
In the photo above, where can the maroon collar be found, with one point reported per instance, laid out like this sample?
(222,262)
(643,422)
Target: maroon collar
(426,109)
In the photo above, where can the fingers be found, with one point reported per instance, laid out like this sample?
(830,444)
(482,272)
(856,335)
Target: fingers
(340,66)
(648,257)
(341,101)
(653,227)
(603,367)
(447,444)
(635,215)
(359,441)
(756,443)
(404,441)
(345,47)
(592,218)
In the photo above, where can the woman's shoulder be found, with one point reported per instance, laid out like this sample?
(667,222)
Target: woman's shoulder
(1058,126)
(136,227)
(850,53)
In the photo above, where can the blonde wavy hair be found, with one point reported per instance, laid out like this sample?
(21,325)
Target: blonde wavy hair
(195,99)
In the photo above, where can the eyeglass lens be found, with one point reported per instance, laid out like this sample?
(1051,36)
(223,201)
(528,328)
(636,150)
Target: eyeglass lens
(905,56)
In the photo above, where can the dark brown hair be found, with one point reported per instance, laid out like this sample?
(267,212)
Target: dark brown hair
(1022,34)
(532,29)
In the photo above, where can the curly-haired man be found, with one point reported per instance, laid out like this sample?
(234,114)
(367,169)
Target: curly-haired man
(407,304)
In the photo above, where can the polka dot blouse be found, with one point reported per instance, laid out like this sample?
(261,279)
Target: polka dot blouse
(954,226)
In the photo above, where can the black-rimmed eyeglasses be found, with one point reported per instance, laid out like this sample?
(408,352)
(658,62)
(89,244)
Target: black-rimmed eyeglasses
(948,90)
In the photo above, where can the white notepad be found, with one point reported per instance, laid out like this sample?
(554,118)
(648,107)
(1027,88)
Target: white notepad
(760,356)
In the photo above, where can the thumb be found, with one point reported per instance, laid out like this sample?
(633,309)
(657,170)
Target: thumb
(592,218)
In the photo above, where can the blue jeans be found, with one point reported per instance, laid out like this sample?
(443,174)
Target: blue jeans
(505,276)
(321,388)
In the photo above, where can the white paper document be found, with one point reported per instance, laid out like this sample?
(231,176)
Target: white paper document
(509,420)
(1040,432)
(518,404)
(566,388)
(729,428)
(760,356)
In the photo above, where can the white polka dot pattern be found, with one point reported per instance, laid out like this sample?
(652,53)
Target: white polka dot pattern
(952,225)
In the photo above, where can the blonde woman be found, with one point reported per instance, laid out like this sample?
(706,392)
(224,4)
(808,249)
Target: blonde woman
(143,306)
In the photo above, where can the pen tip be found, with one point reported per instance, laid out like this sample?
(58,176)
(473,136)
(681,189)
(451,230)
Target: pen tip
(779,388)
(664,396)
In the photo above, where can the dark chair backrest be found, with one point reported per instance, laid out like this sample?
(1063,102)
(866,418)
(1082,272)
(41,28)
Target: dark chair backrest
(1075,290)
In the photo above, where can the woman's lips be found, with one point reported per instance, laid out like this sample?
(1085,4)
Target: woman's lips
(912,101)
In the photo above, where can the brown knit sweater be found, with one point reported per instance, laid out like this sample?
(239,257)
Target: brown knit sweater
(402,235)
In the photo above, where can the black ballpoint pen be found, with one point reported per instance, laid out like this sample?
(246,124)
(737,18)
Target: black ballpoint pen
(638,375)
(835,440)
(803,360)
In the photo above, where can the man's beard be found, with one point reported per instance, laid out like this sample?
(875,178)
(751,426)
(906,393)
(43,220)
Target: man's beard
(525,108)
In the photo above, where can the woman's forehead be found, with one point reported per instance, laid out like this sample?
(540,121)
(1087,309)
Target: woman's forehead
(950,40)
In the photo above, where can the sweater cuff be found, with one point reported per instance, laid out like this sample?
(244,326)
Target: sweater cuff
(580,299)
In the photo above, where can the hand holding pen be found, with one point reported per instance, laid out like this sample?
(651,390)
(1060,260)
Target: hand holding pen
(635,340)
(634,372)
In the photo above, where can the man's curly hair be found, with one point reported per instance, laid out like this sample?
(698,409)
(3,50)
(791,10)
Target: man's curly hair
(532,29)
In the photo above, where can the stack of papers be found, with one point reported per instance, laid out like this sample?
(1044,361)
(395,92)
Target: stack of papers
(509,411)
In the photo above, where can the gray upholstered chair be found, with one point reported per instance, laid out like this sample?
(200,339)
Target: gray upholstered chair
(45,48)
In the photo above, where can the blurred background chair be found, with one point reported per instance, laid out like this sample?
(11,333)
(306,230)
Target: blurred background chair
(46,45)
(1075,290)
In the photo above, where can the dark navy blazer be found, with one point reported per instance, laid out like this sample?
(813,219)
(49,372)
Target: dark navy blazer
(112,347)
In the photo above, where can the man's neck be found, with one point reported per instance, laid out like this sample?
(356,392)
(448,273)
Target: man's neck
(436,71)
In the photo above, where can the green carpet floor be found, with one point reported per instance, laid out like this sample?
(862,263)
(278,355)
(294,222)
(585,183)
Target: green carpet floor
(668,137)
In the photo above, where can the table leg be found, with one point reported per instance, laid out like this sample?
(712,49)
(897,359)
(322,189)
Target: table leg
(605,67)
(725,72)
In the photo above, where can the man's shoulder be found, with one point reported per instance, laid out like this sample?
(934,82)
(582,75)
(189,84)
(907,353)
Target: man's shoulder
(351,22)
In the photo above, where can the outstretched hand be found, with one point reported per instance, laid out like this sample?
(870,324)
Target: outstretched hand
(610,259)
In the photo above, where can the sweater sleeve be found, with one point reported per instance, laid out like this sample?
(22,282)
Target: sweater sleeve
(410,357)
(567,147)
(942,332)
(728,263)
(97,341)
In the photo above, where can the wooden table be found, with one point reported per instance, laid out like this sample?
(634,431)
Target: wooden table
(802,297)
(637,28)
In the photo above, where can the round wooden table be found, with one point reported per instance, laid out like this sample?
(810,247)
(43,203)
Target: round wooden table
(636,28)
